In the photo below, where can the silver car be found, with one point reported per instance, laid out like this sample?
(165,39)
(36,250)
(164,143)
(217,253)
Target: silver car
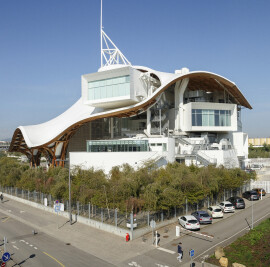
(189,222)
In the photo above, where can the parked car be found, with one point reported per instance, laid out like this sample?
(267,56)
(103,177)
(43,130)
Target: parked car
(215,212)
(251,195)
(259,191)
(189,222)
(238,202)
(226,206)
(256,166)
(202,217)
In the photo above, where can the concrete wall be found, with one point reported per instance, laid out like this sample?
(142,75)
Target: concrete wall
(107,160)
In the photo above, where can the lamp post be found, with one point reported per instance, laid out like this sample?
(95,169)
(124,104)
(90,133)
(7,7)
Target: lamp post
(69,190)
(252,214)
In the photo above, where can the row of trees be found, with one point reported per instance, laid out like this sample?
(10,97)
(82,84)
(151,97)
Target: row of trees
(126,188)
(259,152)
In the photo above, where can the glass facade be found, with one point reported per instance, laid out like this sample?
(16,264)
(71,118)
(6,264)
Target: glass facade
(117,145)
(107,88)
(211,117)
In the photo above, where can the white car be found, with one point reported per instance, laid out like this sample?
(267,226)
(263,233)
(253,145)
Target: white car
(227,206)
(215,212)
(189,222)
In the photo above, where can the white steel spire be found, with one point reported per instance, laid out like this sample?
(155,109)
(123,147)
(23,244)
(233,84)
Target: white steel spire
(110,54)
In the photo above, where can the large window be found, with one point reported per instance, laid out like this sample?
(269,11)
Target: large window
(117,145)
(107,88)
(211,117)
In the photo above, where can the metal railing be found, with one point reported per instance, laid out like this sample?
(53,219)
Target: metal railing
(121,219)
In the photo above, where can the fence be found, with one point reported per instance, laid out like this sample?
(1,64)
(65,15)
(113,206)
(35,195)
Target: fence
(122,220)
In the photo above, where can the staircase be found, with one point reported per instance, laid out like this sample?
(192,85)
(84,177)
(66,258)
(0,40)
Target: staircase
(197,153)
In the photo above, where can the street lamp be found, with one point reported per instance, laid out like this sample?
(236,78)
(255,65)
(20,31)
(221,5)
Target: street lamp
(69,190)
(252,213)
(69,187)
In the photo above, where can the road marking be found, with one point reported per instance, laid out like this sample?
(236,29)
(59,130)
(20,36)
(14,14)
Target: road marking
(22,211)
(54,259)
(15,247)
(13,242)
(160,265)
(5,219)
(9,211)
(31,245)
(26,243)
(134,263)
(210,236)
(35,247)
(231,236)
(22,240)
(167,250)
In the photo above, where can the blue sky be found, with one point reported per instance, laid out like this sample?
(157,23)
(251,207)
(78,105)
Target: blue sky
(45,46)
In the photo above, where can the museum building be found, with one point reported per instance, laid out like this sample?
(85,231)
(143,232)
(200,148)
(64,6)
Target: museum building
(133,114)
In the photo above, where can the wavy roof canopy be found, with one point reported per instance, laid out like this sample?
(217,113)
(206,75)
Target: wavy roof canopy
(45,134)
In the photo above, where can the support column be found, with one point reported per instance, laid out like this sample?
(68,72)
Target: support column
(182,90)
(111,127)
(176,104)
(148,114)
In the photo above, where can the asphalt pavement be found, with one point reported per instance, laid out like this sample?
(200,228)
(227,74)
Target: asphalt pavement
(58,243)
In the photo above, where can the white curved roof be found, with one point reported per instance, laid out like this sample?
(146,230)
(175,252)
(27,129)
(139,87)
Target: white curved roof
(38,135)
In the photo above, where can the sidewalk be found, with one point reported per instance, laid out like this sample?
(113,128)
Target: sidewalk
(81,236)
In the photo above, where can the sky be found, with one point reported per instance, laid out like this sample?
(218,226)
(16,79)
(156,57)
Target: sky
(46,45)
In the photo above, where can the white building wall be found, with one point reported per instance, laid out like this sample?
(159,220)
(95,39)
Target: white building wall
(107,160)
(240,143)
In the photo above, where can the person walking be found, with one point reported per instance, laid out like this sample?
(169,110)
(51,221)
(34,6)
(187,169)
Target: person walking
(180,252)
(1,197)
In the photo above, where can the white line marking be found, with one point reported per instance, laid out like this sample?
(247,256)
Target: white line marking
(26,243)
(167,250)
(231,236)
(22,211)
(197,233)
(22,241)
(35,247)
(31,245)
(15,247)
(134,263)
(13,242)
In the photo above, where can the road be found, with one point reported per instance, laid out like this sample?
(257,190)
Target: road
(91,247)
(28,249)
(222,233)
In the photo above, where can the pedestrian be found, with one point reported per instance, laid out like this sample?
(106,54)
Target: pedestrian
(157,238)
(180,252)
(1,197)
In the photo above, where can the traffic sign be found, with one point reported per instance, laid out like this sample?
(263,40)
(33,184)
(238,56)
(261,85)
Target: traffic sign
(57,201)
(153,224)
(6,257)
(57,208)
(191,253)
(3,264)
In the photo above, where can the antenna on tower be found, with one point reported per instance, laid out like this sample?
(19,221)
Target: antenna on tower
(110,54)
